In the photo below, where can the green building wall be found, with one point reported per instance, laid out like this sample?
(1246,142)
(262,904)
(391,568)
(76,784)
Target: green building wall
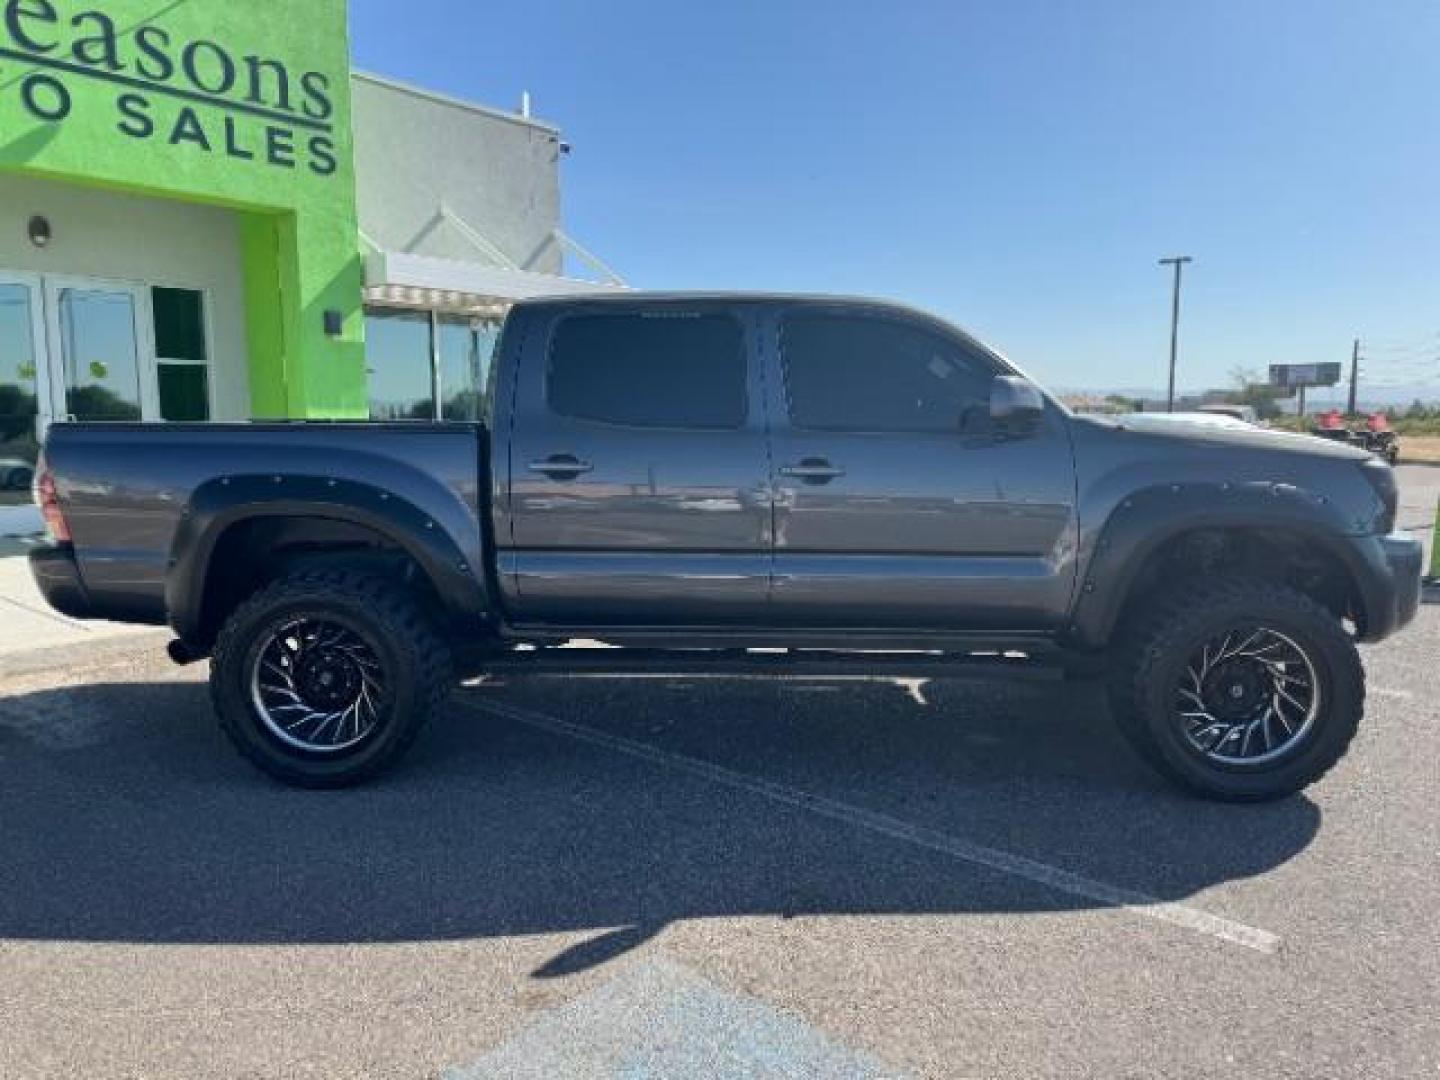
(244,105)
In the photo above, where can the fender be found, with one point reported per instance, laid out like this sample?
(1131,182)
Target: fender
(220,503)
(1142,522)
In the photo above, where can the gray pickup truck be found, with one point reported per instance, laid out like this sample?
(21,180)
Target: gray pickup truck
(738,484)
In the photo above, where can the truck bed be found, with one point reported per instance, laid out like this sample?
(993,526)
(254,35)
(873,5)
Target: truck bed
(127,489)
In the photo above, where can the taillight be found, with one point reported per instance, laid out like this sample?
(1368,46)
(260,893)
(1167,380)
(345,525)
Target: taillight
(48,499)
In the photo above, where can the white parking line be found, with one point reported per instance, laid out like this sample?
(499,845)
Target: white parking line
(1138,903)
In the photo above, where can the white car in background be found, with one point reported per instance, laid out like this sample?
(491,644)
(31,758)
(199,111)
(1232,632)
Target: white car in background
(1204,419)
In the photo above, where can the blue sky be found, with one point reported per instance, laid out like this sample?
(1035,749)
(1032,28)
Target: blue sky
(1015,165)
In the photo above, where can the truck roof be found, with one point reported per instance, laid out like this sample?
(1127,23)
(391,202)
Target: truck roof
(634,298)
(630,297)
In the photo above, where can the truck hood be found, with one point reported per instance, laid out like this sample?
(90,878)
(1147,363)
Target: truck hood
(1238,438)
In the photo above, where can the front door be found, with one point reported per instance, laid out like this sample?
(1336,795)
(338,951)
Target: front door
(25,402)
(898,502)
(638,473)
(101,354)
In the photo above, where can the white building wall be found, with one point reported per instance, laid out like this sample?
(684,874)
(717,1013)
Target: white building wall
(497,174)
(144,241)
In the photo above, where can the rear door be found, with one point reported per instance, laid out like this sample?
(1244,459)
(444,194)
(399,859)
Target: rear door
(638,468)
(899,503)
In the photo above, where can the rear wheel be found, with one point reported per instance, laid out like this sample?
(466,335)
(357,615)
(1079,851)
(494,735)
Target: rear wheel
(325,678)
(1240,690)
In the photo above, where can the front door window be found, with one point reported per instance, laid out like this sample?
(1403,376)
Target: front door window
(101,354)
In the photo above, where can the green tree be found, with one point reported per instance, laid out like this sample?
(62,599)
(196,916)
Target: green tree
(1251,390)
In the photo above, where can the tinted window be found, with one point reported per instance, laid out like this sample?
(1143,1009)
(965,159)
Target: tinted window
(649,371)
(180,349)
(852,373)
(179,324)
(184,391)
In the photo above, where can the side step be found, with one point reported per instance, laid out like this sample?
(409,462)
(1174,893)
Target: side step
(783,663)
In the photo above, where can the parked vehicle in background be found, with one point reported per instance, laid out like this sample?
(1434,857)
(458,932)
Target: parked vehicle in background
(741,483)
(16,474)
(1383,444)
(1204,419)
(1378,440)
(1244,413)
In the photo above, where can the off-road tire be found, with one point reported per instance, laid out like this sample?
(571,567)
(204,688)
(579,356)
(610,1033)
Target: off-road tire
(1155,648)
(415,658)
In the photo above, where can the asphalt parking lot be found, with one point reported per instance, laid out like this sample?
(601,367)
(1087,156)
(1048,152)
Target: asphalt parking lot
(681,877)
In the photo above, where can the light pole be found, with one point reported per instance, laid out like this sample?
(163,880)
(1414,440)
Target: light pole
(1176,261)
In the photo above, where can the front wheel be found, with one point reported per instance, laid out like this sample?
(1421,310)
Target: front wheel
(1239,690)
(324,678)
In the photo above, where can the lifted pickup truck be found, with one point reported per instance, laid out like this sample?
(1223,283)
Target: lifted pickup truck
(735,483)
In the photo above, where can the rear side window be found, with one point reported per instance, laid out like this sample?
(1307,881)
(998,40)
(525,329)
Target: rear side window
(681,371)
(856,373)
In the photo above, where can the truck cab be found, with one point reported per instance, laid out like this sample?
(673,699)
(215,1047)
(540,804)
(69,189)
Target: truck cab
(822,464)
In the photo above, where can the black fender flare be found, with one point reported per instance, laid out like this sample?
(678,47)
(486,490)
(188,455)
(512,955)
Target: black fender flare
(218,504)
(1145,520)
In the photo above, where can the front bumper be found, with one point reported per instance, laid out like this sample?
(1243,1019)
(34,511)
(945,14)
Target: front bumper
(1392,595)
(58,576)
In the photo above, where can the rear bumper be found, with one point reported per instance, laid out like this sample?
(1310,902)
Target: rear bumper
(1392,591)
(58,576)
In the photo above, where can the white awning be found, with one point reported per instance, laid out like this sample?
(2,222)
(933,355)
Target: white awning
(424,281)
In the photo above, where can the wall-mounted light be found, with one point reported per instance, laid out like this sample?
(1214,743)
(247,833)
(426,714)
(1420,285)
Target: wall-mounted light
(334,323)
(39,230)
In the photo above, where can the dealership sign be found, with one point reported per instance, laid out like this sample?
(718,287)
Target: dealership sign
(193,94)
(1295,376)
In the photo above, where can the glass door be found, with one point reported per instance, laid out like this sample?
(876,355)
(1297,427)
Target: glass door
(103,355)
(24,389)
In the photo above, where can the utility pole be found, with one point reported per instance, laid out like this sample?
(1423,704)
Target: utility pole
(1176,261)
(1354,376)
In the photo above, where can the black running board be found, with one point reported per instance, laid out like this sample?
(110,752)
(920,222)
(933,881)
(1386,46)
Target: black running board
(782,663)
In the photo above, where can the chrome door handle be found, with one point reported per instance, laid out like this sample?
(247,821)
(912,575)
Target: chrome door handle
(813,471)
(562,467)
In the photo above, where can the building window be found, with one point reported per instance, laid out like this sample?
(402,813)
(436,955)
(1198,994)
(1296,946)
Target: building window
(182,360)
(681,371)
(419,357)
(397,345)
(467,347)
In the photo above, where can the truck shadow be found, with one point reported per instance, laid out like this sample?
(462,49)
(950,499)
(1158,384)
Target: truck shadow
(126,818)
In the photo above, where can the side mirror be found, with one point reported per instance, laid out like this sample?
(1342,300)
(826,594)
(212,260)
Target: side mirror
(1016,405)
